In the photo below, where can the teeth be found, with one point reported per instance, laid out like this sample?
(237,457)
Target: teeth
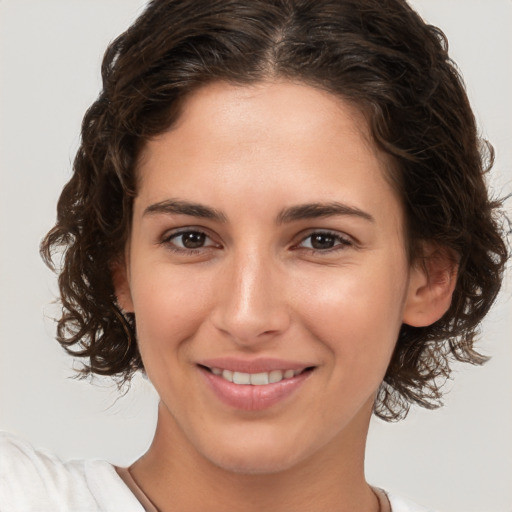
(275,376)
(256,379)
(228,375)
(259,379)
(241,378)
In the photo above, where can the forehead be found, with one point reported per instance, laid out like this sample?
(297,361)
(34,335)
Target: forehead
(276,141)
(253,113)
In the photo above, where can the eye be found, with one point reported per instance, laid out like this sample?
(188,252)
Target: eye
(325,241)
(188,241)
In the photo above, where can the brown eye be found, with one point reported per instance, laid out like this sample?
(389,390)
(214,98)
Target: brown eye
(322,241)
(192,239)
(325,241)
(189,241)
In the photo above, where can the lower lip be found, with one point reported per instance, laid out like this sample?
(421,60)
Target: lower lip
(247,397)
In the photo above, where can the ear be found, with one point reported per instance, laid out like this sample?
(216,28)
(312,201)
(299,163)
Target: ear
(432,282)
(121,282)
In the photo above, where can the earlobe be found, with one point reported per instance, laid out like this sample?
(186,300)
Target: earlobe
(431,286)
(121,284)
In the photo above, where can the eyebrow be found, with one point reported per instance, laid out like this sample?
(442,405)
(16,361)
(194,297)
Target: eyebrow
(318,210)
(173,206)
(291,214)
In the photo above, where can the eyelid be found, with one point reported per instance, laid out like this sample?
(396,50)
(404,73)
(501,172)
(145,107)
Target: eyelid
(169,235)
(345,241)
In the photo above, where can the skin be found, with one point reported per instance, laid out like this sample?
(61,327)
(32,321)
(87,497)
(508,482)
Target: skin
(256,288)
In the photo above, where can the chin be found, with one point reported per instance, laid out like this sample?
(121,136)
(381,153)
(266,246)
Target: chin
(254,458)
(250,465)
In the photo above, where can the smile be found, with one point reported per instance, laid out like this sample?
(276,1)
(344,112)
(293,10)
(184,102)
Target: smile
(254,390)
(256,379)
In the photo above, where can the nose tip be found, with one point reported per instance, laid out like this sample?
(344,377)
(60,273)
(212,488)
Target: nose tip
(252,306)
(247,329)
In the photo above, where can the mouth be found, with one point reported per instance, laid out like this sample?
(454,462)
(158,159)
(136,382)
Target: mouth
(257,379)
(255,384)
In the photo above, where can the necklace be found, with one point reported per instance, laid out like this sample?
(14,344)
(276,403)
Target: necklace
(382,498)
(124,473)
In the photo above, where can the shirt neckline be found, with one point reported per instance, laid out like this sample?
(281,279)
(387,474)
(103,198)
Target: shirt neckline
(126,477)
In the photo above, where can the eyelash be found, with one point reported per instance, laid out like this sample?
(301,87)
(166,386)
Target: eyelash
(167,241)
(342,242)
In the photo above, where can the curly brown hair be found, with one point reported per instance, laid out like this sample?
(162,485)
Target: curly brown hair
(377,54)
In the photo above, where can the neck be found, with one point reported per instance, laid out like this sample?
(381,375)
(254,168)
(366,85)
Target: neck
(176,477)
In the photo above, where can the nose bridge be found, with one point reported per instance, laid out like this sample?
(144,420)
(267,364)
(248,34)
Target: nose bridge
(252,303)
(253,280)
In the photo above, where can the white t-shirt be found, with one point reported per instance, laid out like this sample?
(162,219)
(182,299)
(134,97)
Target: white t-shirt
(37,481)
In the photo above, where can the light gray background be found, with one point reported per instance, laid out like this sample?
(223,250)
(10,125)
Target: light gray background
(458,459)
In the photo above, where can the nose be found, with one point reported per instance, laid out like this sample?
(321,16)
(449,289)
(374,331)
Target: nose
(251,304)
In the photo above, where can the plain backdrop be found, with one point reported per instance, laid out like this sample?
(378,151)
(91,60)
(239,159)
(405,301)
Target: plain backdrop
(456,459)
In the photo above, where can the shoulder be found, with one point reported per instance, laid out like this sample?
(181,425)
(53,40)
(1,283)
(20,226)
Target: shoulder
(399,504)
(36,480)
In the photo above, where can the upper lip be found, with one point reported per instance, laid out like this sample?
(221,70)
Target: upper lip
(258,365)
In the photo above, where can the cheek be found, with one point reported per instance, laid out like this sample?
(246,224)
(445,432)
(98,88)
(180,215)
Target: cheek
(355,312)
(169,307)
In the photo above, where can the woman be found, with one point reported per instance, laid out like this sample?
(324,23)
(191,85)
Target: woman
(277,213)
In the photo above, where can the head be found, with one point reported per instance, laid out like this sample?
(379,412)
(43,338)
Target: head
(380,59)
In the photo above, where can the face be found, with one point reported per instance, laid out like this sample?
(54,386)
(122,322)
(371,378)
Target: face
(267,249)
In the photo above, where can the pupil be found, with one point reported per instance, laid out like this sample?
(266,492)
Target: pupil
(193,240)
(322,241)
